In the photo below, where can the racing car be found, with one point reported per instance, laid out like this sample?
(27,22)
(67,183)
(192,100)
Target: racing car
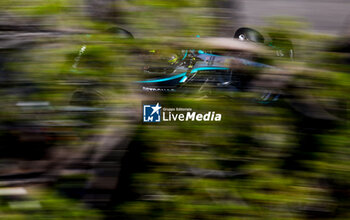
(222,65)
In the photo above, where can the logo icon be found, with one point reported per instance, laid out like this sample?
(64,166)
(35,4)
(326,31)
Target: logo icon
(151,113)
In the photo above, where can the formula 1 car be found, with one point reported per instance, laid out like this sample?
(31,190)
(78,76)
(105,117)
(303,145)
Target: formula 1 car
(224,69)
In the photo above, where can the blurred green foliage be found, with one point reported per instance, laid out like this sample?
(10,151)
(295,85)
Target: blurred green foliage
(47,205)
(260,162)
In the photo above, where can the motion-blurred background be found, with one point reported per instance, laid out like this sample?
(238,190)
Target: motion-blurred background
(73,145)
